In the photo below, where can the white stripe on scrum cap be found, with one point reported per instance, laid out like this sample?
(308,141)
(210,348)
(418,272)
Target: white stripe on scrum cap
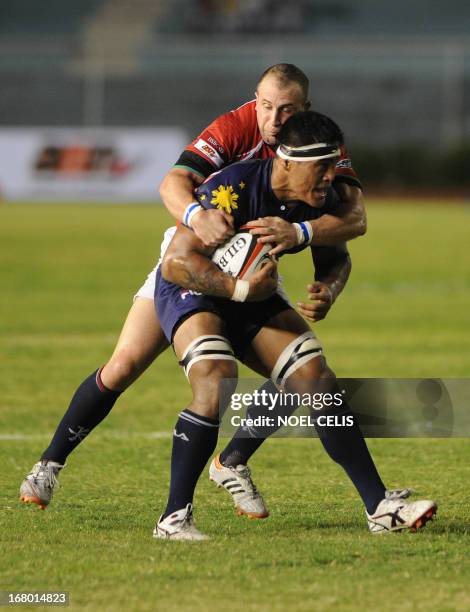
(283,152)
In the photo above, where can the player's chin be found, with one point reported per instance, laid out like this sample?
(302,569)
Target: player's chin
(271,139)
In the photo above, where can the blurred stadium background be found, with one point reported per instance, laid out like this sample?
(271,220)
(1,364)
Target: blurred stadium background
(395,75)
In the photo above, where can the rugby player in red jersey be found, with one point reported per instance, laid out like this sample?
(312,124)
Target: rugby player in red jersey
(247,132)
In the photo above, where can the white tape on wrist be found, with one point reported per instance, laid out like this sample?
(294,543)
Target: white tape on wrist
(304,232)
(240,293)
(190,212)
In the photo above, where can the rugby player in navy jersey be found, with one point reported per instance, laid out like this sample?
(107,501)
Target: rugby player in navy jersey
(248,132)
(212,318)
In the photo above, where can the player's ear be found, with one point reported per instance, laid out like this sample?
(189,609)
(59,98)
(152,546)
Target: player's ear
(307,105)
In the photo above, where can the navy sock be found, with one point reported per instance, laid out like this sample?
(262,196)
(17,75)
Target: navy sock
(247,440)
(90,404)
(347,447)
(194,441)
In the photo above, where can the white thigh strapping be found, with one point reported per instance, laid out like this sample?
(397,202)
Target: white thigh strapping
(295,355)
(206,347)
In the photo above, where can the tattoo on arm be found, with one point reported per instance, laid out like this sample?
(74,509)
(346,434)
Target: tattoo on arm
(205,281)
(187,263)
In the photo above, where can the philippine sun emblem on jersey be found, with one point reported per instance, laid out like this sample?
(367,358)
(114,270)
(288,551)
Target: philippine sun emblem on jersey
(225,198)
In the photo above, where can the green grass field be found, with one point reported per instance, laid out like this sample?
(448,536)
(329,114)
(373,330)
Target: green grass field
(67,277)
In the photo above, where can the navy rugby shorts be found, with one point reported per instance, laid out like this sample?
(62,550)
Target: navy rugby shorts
(174,305)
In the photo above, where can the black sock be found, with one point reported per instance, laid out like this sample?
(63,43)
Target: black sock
(90,404)
(347,447)
(247,440)
(194,441)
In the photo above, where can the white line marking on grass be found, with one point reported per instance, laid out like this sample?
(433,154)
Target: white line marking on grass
(147,435)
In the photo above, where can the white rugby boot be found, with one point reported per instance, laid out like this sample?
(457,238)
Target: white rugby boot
(178,526)
(38,486)
(398,514)
(237,481)
(398,493)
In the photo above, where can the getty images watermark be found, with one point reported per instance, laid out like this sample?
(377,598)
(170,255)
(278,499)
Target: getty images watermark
(268,409)
(383,408)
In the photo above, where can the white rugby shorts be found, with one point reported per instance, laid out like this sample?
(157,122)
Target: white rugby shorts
(148,288)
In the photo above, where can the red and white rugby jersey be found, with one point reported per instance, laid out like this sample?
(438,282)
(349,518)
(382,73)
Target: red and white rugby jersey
(234,137)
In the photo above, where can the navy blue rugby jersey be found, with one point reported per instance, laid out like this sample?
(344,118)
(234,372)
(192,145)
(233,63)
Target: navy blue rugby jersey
(244,191)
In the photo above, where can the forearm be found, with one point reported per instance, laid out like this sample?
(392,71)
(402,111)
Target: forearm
(333,271)
(211,226)
(177,191)
(350,221)
(187,263)
(196,272)
(332,268)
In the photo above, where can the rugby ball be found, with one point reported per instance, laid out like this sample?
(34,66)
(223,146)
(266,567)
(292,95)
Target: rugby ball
(242,255)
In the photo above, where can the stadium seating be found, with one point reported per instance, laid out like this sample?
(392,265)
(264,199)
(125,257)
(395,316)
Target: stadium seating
(54,17)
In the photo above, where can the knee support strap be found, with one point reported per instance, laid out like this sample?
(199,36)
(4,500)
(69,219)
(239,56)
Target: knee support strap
(206,347)
(296,354)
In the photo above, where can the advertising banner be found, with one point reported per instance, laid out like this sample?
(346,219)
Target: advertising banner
(91,164)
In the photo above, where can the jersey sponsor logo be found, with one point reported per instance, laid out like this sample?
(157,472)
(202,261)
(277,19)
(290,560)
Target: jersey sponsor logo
(214,142)
(208,151)
(344,163)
